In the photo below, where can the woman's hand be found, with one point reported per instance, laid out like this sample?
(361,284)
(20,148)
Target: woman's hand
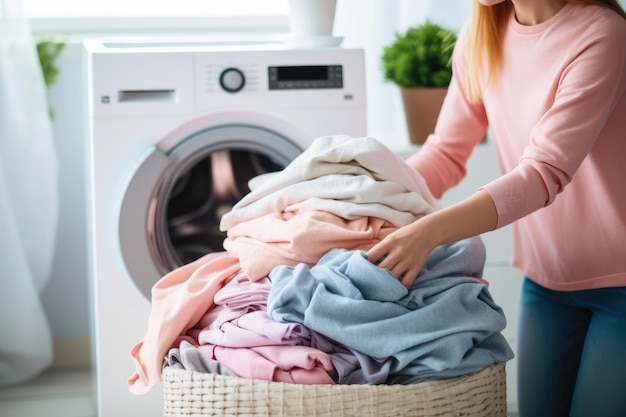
(404,251)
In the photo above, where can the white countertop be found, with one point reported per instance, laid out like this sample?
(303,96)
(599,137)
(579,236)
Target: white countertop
(397,142)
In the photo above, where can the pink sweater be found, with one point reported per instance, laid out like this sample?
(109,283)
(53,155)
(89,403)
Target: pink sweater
(558,120)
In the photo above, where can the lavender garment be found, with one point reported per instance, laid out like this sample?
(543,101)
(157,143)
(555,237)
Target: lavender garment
(255,328)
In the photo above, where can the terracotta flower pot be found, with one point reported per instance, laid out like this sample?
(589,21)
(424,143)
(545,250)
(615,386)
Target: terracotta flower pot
(421,109)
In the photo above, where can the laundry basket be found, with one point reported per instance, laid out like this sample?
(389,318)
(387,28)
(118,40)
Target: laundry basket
(189,393)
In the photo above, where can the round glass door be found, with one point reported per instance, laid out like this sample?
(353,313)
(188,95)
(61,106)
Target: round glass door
(204,189)
(173,205)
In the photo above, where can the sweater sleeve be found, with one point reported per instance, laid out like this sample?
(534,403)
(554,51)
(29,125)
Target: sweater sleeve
(590,84)
(461,125)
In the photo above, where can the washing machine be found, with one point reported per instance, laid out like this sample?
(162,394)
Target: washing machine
(176,130)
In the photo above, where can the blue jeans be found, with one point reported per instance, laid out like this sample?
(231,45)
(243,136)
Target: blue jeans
(572,352)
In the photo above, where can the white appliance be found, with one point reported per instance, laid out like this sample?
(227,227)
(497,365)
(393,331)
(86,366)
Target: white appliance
(175,132)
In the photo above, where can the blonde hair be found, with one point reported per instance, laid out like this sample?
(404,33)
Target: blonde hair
(485,37)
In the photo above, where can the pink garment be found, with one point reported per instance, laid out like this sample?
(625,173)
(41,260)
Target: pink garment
(283,332)
(243,337)
(184,299)
(557,117)
(237,297)
(291,238)
(179,300)
(241,293)
(252,329)
(291,364)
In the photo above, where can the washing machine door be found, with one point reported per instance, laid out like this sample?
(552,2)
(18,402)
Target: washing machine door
(172,206)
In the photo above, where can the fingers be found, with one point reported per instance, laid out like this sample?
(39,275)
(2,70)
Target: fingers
(376,254)
(399,263)
(409,277)
(384,252)
(380,257)
(405,272)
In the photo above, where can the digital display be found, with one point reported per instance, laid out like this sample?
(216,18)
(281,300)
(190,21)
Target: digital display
(318,72)
(305,77)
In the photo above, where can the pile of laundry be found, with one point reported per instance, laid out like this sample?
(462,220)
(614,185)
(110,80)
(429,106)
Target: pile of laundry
(294,298)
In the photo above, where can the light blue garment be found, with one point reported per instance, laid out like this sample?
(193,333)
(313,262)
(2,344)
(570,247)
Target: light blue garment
(445,325)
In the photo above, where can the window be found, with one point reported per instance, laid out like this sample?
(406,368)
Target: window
(151,8)
(140,16)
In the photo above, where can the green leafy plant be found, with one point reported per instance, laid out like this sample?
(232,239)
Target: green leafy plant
(420,57)
(48,50)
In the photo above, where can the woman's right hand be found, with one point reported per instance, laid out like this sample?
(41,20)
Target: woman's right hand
(404,251)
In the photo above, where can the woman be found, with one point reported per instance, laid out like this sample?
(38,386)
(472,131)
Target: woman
(548,77)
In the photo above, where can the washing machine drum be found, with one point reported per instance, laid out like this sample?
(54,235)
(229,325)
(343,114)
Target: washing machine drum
(173,204)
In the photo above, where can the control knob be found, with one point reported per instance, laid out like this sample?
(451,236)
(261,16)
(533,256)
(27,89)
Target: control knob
(232,80)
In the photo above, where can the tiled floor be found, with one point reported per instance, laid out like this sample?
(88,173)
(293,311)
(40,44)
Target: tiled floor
(53,394)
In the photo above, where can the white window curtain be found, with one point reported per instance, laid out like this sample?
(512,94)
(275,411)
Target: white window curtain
(28,201)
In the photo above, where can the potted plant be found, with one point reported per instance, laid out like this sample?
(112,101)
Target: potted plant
(418,61)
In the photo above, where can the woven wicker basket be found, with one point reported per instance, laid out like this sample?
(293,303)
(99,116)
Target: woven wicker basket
(188,393)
